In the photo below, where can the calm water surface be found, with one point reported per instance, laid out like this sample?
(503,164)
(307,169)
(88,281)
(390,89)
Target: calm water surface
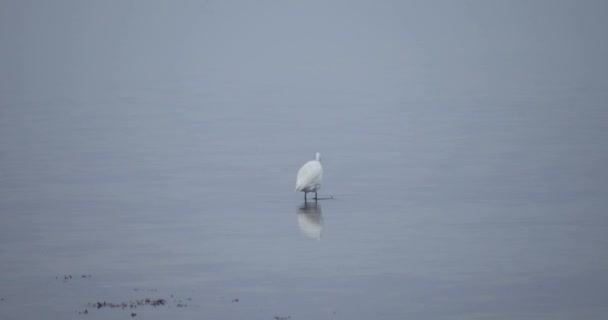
(149,150)
(439,211)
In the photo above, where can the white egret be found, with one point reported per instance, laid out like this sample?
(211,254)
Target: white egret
(309,177)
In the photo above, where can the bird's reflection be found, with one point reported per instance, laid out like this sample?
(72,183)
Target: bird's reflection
(310,219)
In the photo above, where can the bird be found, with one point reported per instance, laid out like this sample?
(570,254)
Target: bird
(310,176)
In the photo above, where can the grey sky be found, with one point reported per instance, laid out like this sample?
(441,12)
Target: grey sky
(301,49)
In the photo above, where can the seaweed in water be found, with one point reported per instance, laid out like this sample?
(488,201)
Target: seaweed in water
(131,304)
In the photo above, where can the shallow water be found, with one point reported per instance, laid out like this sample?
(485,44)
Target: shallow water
(451,200)
(475,213)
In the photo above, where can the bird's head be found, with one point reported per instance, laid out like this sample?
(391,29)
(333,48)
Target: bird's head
(318,157)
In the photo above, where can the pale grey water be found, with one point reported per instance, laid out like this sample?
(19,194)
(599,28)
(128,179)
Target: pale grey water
(157,153)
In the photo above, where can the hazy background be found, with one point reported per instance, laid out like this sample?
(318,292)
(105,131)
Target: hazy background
(154,145)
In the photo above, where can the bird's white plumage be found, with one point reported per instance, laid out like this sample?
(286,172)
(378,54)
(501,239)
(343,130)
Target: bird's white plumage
(310,176)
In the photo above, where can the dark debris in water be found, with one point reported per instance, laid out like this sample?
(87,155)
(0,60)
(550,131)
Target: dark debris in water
(67,277)
(134,304)
(130,304)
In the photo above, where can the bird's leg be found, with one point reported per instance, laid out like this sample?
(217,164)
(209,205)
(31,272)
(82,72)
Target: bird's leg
(305,196)
(316,196)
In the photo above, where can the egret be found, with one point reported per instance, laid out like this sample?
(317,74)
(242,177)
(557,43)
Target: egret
(309,177)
